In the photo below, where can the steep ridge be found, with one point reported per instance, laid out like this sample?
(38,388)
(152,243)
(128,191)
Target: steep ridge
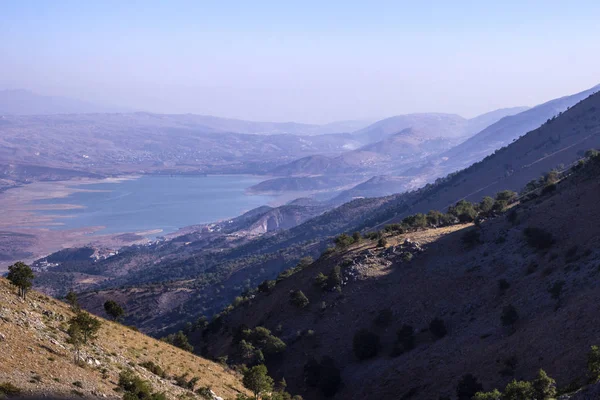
(37,359)
(235,268)
(491,137)
(506,130)
(550,277)
(559,141)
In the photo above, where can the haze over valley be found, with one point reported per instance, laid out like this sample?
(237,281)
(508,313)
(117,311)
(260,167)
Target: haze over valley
(279,201)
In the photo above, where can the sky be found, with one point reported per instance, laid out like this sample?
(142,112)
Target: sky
(304,61)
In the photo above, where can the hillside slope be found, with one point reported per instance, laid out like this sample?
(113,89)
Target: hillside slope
(206,281)
(504,132)
(36,358)
(554,291)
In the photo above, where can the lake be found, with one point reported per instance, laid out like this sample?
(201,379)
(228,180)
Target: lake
(157,202)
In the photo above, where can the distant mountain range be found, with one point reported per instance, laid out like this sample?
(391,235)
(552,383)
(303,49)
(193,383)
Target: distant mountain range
(24,102)
(232,263)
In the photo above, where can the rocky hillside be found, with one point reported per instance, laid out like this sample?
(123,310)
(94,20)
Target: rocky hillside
(207,274)
(517,293)
(36,359)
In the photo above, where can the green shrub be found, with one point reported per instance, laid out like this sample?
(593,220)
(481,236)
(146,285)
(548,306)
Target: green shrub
(136,388)
(9,390)
(298,299)
(493,395)
(544,387)
(257,380)
(205,393)
(184,382)
(334,279)
(382,242)
(593,363)
(154,368)
(262,339)
(113,310)
(343,241)
(320,280)
(415,221)
(366,344)
(266,286)
(506,195)
(180,340)
(486,205)
(518,390)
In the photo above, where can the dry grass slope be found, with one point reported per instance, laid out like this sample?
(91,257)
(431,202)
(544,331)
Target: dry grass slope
(35,356)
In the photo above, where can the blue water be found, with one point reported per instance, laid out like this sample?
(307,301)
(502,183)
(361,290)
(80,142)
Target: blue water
(158,202)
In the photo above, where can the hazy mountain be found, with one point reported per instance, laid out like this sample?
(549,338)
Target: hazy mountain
(506,130)
(500,133)
(477,124)
(433,125)
(151,143)
(23,102)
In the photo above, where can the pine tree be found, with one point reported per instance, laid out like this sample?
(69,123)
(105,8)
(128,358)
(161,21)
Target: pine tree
(21,275)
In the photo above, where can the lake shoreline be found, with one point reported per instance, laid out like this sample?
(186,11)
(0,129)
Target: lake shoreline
(40,215)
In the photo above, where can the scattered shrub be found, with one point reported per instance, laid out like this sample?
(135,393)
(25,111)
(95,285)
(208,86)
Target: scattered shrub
(320,280)
(113,310)
(509,315)
(298,299)
(382,242)
(366,344)
(438,328)
(493,395)
(324,375)
(266,286)
(334,279)
(262,339)
(384,318)
(154,368)
(544,387)
(405,340)
(556,289)
(136,388)
(593,363)
(257,380)
(518,390)
(503,285)
(8,389)
(343,241)
(467,387)
(180,340)
(471,238)
(538,238)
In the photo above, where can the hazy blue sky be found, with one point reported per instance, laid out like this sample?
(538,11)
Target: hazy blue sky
(312,61)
